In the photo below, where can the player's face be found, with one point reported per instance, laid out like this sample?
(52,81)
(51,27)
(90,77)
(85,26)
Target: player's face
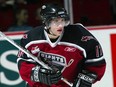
(57,26)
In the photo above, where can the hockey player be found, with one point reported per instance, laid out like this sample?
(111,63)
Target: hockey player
(70,50)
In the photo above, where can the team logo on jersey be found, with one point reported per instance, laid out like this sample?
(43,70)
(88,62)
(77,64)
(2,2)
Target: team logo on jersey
(25,36)
(70,49)
(86,38)
(20,53)
(54,59)
(35,49)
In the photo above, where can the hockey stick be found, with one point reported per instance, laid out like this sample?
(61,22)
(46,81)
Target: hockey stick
(32,56)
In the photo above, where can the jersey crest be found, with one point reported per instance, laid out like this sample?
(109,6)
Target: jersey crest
(55,59)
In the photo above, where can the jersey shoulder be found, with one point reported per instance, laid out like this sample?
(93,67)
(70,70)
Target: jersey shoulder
(34,34)
(78,34)
(78,28)
(76,31)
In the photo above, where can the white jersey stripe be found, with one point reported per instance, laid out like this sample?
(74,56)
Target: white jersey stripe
(94,60)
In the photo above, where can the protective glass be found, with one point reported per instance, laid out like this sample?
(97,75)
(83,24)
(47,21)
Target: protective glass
(59,21)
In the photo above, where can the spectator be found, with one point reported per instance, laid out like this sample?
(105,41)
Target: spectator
(6,15)
(38,17)
(21,19)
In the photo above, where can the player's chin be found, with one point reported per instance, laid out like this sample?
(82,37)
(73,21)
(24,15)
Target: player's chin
(59,33)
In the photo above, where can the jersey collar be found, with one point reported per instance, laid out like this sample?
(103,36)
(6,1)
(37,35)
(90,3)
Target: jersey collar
(53,44)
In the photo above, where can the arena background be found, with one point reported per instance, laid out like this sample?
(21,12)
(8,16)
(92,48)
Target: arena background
(98,16)
(8,69)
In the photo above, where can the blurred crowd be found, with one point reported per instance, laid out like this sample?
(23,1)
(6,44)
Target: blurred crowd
(20,15)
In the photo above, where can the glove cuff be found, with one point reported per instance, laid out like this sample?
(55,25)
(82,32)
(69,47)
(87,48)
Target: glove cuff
(85,79)
(34,74)
(87,76)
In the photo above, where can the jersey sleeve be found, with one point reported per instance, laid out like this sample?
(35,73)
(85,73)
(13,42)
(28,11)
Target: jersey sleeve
(94,60)
(25,64)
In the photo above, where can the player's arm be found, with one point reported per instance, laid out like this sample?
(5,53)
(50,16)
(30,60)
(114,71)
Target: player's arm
(94,65)
(32,72)
(92,71)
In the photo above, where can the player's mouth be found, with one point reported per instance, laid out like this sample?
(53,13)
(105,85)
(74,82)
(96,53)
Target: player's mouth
(59,30)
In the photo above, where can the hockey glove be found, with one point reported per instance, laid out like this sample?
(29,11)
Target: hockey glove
(49,77)
(85,79)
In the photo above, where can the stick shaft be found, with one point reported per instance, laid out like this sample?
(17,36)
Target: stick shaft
(24,50)
(31,56)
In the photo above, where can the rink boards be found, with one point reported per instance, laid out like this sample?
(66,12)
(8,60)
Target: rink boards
(106,35)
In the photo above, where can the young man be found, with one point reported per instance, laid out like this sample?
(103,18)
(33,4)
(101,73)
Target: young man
(70,50)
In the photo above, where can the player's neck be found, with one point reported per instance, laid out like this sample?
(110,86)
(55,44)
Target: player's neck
(52,36)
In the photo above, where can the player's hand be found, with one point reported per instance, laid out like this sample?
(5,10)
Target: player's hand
(46,76)
(85,79)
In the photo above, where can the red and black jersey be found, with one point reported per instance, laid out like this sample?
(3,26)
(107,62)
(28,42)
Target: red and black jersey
(75,49)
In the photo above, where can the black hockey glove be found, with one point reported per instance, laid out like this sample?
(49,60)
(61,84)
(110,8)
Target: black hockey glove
(85,79)
(46,76)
